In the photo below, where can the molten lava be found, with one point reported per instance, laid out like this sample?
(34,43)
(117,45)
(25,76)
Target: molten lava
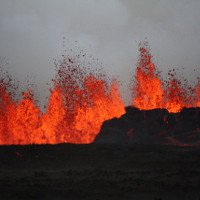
(151,92)
(78,105)
(148,87)
(197,91)
(82,99)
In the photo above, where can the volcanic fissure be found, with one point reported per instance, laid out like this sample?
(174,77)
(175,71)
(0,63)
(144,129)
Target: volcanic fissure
(82,99)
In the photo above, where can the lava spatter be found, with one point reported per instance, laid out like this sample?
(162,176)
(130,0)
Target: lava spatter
(150,91)
(78,104)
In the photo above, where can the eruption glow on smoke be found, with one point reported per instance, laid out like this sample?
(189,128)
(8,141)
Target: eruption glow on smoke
(82,99)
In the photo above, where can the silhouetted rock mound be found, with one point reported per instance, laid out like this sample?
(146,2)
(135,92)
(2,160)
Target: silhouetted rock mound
(156,126)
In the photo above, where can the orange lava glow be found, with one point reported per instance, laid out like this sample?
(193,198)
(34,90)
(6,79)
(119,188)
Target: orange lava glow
(74,113)
(148,88)
(82,99)
(151,92)
(197,91)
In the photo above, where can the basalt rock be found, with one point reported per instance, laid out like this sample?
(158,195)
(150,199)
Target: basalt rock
(156,126)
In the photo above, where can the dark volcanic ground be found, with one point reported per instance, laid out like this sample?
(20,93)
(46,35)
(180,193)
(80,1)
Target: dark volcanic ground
(156,126)
(99,171)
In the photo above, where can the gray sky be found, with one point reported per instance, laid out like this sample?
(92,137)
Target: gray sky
(31,34)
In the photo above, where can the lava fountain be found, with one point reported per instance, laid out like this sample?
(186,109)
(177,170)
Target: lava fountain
(82,98)
(151,92)
(79,103)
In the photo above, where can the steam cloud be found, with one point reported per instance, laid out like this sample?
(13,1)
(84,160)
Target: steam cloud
(31,35)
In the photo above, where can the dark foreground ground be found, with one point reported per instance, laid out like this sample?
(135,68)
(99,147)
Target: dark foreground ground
(99,172)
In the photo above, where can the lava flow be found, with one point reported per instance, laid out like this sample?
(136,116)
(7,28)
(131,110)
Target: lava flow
(151,92)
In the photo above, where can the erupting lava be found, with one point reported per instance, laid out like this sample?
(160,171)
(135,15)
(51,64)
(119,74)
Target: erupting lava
(82,99)
(79,103)
(148,88)
(151,92)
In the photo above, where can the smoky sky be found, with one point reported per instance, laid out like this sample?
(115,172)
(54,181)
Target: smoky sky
(31,35)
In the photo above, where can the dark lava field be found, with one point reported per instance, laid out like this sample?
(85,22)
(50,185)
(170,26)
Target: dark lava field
(99,171)
(148,155)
